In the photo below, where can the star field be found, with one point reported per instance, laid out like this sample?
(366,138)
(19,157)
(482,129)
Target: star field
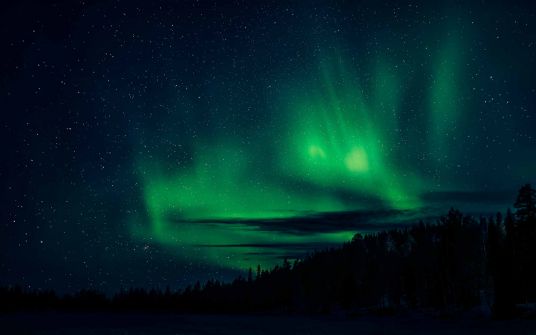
(160,143)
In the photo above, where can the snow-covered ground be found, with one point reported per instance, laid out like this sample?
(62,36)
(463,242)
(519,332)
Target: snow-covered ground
(52,323)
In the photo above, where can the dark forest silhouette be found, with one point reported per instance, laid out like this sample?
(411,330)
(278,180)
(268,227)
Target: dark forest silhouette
(457,264)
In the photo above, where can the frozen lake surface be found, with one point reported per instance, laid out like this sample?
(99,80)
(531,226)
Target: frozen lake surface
(53,323)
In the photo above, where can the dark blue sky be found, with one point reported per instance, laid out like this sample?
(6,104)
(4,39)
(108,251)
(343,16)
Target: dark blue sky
(139,136)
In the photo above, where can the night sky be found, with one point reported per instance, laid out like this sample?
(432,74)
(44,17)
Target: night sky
(155,143)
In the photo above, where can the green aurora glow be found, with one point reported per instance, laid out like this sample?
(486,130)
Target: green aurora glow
(337,134)
(158,143)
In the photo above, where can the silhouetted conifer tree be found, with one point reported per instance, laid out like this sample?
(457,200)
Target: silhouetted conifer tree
(526,204)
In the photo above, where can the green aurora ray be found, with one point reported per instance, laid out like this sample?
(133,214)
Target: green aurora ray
(339,135)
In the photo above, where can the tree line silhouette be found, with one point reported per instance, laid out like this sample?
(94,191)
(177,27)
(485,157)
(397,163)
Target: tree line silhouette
(457,264)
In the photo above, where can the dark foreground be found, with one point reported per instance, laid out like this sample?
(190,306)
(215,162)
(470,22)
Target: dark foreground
(65,323)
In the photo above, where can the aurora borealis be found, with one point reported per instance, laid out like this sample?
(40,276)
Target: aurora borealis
(333,144)
(153,144)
